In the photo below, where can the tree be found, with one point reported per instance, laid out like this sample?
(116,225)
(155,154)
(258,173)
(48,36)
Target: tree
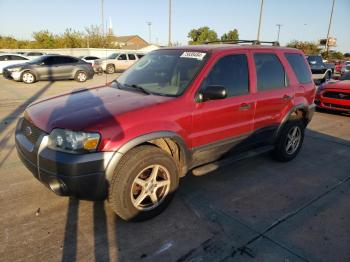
(230,35)
(44,39)
(201,35)
(309,48)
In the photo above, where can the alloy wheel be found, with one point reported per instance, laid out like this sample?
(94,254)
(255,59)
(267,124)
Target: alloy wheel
(293,140)
(150,187)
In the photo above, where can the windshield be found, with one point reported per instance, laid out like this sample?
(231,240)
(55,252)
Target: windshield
(38,60)
(113,56)
(164,72)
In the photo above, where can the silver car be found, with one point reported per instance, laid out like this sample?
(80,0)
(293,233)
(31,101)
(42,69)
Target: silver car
(50,67)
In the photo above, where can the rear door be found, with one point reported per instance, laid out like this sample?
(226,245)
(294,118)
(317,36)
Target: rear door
(131,59)
(274,94)
(65,66)
(219,125)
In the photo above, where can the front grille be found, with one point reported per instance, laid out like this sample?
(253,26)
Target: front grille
(337,106)
(30,131)
(337,95)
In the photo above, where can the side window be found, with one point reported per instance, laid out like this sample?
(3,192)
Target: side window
(300,68)
(269,72)
(230,72)
(131,57)
(15,57)
(3,58)
(50,61)
(122,57)
(140,56)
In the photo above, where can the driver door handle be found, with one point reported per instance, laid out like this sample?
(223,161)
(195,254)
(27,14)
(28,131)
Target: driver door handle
(245,106)
(286,97)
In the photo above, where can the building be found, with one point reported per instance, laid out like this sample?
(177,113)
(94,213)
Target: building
(129,42)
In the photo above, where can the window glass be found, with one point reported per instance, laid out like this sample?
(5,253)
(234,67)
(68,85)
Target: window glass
(131,57)
(122,57)
(164,72)
(300,68)
(230,72)
(65,59)
(269,72)
(113,56)
(16,57)
(3,58)
(140,55)
(49,60)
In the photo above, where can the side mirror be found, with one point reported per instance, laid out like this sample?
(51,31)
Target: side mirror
(213,93)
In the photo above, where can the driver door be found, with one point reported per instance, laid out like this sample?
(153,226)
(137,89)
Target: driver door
(220,125)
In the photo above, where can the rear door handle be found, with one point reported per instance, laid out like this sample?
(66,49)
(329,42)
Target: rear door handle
(245,106)
(286,97)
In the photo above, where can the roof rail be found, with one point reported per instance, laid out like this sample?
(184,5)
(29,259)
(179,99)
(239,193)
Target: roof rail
(239,41)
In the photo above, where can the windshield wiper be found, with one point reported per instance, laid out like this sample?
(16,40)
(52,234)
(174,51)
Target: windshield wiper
(139,88)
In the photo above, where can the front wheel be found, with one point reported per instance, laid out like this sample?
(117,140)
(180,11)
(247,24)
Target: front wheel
(290,141)
(143,183)
(28,77)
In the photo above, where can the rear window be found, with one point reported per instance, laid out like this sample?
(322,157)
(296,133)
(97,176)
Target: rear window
(300,68)
(269,72)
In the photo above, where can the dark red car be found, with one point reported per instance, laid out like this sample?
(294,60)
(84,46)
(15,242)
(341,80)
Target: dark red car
(335,95)
(176,110)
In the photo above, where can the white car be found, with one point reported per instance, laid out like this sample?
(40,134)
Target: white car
(116,62)
(11,59)
(345,68)
(90,59)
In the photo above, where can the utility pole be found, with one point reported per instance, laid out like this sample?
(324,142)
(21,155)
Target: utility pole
(261,10)
(149,32)
(169,37)
(278,32)
(102,19)
(329,28)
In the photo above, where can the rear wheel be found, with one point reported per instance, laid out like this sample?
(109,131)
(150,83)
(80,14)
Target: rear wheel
(143,183)
(28,77)
(81,76)
(110,69)
(290,141)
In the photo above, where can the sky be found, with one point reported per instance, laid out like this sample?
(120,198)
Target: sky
(305,20)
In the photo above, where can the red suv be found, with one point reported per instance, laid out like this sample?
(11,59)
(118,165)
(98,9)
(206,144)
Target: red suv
(175,110)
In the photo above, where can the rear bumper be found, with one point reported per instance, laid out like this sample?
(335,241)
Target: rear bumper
(79,175)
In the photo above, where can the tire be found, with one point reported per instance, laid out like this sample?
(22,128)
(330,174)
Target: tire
(286,150)
(110,69)
(131,188)
(28,77)
(80,76)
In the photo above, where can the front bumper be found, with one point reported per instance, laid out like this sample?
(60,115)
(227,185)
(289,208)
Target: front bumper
(79,175)
(12,75)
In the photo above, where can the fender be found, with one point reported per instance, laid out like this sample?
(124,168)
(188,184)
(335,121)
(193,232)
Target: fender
(309,112)
(113,162)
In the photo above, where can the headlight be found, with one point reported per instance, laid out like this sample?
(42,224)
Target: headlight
(16,69)
(75,142)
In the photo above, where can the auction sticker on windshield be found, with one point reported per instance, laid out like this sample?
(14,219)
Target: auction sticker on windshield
(195,55)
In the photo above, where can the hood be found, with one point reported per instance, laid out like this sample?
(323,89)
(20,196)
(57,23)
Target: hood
(88,109)
(18,65)
(343,85)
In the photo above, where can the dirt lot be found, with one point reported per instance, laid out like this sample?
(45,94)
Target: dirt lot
(253,210)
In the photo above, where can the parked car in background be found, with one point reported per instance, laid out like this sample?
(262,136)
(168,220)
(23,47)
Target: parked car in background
(177,110)
(116,62)
(345,68)
(320,71)
(50,67)
(33,54)
(89,59)
(11,59)
(335,95)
